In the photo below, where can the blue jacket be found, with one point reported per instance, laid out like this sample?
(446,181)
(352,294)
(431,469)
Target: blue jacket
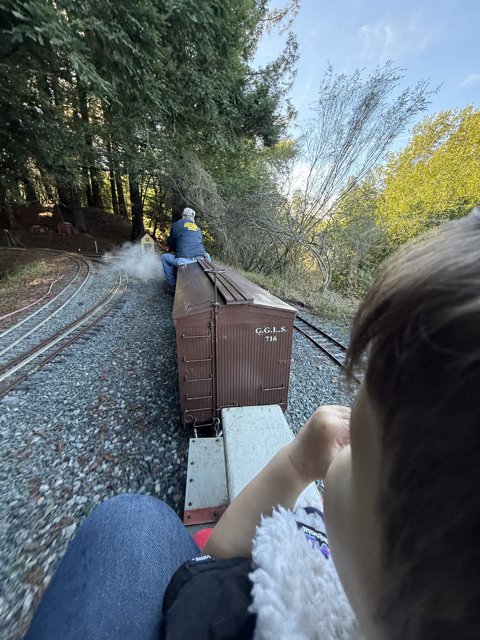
(186,239)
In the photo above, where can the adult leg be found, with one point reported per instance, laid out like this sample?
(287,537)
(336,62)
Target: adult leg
(182,261)
(111,581)
(169,262)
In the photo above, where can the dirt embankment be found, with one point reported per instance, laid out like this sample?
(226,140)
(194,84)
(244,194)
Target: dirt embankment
(27,276)
(40,225)
(26,273)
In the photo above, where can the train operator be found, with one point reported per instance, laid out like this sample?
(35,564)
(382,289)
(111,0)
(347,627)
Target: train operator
(186,241)
(402,505)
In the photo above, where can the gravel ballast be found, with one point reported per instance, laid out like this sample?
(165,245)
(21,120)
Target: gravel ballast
(77,298)
(101,420)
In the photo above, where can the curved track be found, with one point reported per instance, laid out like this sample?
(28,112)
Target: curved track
(29,360)
(62,298)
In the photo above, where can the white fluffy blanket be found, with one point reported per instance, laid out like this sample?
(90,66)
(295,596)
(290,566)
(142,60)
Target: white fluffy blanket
(297,594)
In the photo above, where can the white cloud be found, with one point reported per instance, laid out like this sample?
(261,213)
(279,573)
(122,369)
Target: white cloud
(470,80)
(377,38)
(386,41)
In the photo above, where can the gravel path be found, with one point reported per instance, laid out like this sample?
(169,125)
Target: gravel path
(315,380)
(101,420)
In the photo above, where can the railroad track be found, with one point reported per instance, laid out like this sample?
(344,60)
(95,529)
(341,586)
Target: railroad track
(31,322)
(332,348)
(43,350)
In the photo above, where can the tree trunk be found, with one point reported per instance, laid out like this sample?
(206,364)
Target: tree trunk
(95,199)
(47,186)
(178,201)
(116,187)
(113,189)
(137,209)
(8,214)
(57,213)
(30,193)
(121,196)
(96,193)
(75,198)
(65,200)
(79,219)
(86,181)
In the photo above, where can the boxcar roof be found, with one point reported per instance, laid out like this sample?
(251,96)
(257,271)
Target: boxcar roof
(195,290)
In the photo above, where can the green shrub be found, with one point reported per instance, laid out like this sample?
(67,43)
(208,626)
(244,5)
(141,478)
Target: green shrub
(299,289)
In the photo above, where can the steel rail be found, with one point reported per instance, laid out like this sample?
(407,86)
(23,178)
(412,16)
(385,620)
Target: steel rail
(43,307)
(323,347)
(32,304)
(323,333)
(47,319)
(25,358)
(22,359)
(6,389)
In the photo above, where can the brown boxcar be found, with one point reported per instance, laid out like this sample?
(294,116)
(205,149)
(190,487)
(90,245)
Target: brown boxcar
(234,342)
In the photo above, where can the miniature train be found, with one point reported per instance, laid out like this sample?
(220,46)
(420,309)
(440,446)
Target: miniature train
(234,343)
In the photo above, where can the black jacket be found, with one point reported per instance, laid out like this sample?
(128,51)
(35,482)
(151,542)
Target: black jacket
(208,599)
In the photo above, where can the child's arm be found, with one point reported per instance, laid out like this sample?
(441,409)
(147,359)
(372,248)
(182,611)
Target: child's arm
(290,471)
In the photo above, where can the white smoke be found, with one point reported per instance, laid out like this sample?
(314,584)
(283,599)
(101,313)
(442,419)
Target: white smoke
(139,262)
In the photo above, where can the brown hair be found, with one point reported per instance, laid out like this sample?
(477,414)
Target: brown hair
(419,326)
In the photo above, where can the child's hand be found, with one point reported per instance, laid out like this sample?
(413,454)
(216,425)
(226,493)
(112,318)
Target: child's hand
(320,439)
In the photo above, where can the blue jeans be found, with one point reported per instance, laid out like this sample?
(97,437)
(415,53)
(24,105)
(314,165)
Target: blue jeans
(170,262)
(111,581)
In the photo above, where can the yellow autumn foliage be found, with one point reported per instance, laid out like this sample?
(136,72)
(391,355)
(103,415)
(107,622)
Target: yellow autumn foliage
(436,177)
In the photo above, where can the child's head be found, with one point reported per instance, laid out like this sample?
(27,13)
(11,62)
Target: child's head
(420,327)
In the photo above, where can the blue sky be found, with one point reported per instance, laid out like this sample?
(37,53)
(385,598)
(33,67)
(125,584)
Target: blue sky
(436,40)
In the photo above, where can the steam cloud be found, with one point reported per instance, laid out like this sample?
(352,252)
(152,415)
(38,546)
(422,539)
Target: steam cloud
(144,264)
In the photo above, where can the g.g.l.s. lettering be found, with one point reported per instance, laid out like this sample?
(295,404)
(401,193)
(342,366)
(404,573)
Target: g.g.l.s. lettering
(269,333)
